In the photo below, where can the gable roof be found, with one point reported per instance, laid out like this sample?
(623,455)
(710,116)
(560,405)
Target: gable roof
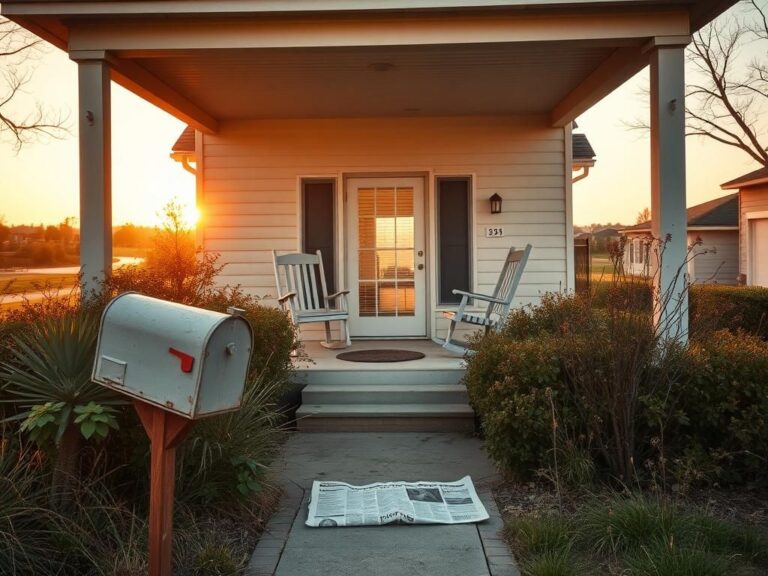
(718,213)
(582,149)
(759,176)
(185,143)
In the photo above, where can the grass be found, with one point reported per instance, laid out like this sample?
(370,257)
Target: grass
(636,535)
(34,282)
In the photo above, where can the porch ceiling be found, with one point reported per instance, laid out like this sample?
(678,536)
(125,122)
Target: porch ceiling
(504,78)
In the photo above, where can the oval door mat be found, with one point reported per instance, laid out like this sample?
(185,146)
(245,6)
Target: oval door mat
(380,355)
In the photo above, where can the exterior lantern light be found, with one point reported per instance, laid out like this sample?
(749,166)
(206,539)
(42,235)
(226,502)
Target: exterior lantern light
(495,204)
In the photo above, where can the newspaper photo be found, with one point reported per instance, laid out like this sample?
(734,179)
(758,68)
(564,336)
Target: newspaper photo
(342,504)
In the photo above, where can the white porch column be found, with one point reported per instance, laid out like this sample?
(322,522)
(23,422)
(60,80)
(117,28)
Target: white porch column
(95,172)
(668,212)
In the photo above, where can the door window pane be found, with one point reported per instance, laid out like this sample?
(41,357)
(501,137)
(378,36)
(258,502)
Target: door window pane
(386,246)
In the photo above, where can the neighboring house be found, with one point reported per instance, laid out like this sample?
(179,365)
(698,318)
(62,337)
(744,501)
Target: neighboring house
(377,131)
(753,221)
(713,234)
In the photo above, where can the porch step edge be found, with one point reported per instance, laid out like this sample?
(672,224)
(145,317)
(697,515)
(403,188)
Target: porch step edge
(323,394)
(385,410)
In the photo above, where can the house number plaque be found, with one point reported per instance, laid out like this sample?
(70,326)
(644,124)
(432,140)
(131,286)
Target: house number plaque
(494,231)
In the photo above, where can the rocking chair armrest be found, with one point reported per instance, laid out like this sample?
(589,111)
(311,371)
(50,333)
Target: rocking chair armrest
(285,297)
(337,294)
(476,296)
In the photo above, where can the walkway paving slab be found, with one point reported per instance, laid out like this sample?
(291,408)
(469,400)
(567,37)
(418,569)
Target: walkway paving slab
(289,548)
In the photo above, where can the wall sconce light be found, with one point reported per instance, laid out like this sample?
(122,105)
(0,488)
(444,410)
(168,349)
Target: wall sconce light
(495,204)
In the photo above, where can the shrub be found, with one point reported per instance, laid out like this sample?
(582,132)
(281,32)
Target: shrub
(720,405)
(507,382)
(594,364)
(49,378)
(714,307)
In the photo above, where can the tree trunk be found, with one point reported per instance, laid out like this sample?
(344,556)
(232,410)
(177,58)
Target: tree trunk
(65,468)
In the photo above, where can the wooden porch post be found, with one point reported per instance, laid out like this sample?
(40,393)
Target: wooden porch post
(668,212)
(95,172)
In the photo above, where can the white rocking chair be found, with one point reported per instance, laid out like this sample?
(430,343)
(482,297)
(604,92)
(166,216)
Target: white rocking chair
(297,292)
(499,302)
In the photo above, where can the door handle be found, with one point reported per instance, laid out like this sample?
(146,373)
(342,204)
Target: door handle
(420,253)
(420,266)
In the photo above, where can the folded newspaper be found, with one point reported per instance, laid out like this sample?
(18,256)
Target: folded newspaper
(342,504)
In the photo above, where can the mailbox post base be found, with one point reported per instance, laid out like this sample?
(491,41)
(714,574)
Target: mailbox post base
(166,431)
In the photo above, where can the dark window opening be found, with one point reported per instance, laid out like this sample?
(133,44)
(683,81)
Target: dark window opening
(318,201)
(454,199)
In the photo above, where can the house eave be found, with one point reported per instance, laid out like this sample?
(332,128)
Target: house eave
(744,183)
(689,229)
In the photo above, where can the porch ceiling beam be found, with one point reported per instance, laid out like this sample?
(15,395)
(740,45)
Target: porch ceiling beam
(136,79)
(614,71)
(139,35)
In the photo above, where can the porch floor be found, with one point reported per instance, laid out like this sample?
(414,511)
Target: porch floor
(317,358)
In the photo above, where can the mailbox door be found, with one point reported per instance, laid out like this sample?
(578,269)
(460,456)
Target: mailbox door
(225,367)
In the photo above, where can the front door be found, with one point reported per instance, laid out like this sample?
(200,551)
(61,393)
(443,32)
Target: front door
(385,257)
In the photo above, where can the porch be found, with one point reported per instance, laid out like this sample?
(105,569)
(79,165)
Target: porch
(424,395)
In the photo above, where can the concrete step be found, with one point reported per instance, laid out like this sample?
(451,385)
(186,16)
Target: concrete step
(412,417)
(384,394)
(374,374)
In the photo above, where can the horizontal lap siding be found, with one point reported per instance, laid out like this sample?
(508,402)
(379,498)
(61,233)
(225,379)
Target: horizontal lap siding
(251,171)
(753,199)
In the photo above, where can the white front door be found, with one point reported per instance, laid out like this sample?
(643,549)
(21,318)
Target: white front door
(385,257)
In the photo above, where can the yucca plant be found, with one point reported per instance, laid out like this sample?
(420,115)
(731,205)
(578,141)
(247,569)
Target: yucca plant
(48,377)
(226,455)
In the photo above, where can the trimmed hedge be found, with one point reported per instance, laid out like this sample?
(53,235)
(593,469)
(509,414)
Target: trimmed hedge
(714,306)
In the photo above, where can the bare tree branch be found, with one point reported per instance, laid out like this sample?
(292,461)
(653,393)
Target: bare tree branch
(728,99)
(18,49)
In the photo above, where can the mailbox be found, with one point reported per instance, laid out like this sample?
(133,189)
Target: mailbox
(186,360)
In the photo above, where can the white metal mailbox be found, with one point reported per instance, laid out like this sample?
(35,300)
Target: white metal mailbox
(186,360)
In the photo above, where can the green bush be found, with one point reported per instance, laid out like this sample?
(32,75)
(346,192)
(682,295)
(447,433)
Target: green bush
(566,360)
(714,307)
(508,383)
(720,406)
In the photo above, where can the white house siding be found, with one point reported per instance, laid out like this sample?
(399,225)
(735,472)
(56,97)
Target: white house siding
(753,199)
(717,258)
(251,174)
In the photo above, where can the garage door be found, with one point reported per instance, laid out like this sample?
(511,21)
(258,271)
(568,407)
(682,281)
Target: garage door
(759,251)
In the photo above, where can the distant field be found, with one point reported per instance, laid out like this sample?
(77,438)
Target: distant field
(602,267)
(33,282)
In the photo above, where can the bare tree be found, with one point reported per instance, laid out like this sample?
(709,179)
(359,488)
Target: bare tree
(643,216)
(17,49)
(727,100)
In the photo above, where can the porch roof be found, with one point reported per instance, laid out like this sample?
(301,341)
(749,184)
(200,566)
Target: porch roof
(207,62)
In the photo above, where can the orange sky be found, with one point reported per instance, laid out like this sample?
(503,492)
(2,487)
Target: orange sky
(40,183)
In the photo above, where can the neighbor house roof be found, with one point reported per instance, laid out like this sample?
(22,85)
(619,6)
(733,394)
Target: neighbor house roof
(582,149)
(718,213)
(759,176)
(185,142)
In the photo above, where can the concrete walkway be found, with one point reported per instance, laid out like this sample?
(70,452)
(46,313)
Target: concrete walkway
(289,548)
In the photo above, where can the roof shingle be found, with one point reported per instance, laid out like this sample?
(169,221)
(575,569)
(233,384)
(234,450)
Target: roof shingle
(717,213)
